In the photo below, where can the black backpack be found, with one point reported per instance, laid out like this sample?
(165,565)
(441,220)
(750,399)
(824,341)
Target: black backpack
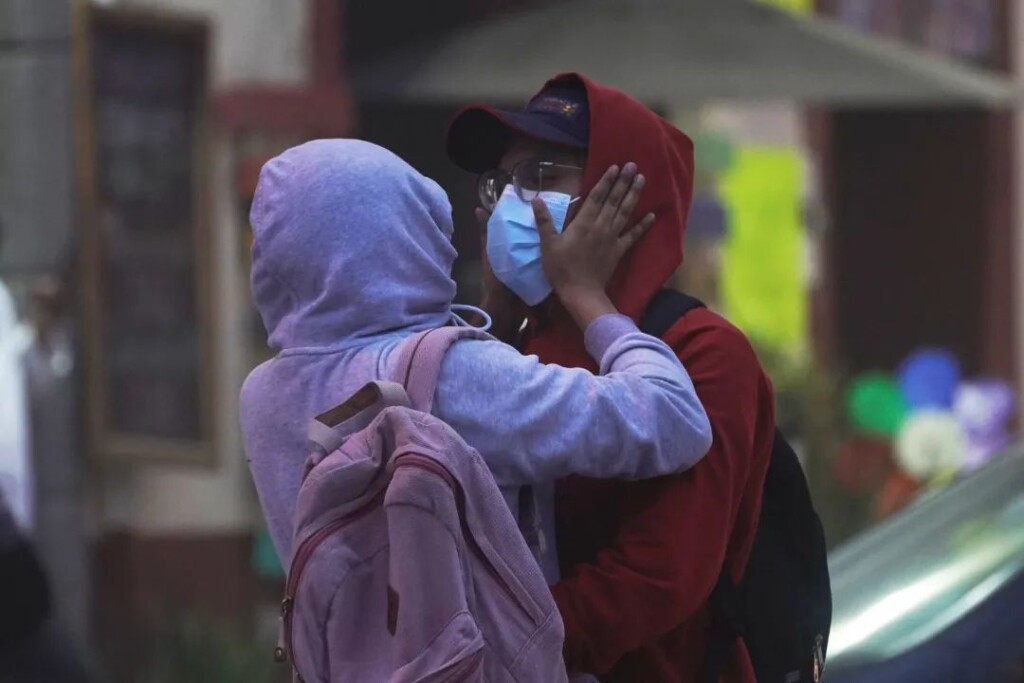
(782,608)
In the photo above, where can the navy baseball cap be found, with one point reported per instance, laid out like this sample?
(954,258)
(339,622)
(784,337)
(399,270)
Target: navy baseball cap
(479,135)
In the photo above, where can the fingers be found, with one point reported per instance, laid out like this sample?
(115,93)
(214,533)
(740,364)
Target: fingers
(625,211)
(595,200)
(633,235)
(619,191)
(545,224)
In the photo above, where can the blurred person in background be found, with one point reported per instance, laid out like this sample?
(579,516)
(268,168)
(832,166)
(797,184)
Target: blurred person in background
(639,559)
(16,483)
(32,647)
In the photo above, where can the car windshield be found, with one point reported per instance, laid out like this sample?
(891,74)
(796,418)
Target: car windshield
(904,581)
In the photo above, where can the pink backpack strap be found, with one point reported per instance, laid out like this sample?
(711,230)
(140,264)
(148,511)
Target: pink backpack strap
(327,431)
(419,362)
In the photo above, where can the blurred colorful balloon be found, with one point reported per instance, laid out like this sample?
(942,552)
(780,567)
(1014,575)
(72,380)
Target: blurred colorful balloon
(984,406)
(981,450)
(929,379)
(864,464)
(899,490)
(984,409)
(930,444)
(875,405)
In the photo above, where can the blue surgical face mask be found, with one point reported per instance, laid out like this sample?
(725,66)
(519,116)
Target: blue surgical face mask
(513,243)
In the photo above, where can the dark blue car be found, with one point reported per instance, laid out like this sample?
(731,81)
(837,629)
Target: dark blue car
(936,595)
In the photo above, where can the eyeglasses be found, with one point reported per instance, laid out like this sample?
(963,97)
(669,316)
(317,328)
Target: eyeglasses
(529,177)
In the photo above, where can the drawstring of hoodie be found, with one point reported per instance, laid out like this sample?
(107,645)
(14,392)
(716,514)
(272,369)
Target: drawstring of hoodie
(465,308)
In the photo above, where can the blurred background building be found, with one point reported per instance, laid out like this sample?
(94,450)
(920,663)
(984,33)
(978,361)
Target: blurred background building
(858,199)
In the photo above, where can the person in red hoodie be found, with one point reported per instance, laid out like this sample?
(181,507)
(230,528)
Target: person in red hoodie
(639,559)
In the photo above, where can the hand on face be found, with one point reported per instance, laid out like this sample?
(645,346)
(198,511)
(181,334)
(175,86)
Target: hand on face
(584,257)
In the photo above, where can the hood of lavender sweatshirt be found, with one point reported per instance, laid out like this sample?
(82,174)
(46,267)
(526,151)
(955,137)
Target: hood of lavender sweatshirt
(351,253)
(350,243)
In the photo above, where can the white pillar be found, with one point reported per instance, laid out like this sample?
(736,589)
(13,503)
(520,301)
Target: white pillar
(37,205)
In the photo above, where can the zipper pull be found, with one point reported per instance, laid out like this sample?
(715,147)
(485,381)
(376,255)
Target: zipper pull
(281,651)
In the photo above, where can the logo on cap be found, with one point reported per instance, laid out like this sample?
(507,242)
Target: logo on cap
(556,105)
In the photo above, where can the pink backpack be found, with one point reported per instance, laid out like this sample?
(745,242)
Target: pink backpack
(408,565)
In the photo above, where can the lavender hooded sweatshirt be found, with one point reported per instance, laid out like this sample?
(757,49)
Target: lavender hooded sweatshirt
(352,254)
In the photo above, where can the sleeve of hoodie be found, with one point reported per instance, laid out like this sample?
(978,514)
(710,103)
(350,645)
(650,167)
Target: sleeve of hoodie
(534,422)
(674,531)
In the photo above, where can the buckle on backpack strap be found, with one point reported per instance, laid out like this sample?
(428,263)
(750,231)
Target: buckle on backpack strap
(818,670)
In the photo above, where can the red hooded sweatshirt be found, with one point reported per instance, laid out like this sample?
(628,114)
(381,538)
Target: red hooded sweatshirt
(640,559)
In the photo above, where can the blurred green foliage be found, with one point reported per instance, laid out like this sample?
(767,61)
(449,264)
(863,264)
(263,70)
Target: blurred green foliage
(185,646)
(205,650)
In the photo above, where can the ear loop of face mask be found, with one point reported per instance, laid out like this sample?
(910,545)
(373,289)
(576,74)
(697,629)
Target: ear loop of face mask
(465,308)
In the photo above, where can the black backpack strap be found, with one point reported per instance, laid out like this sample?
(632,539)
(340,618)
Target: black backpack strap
(667,307)
(726,627)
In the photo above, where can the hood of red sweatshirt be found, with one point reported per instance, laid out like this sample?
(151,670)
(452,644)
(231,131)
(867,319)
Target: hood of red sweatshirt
(623,130)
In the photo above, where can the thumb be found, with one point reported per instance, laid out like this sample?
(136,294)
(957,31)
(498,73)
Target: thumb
(545,224)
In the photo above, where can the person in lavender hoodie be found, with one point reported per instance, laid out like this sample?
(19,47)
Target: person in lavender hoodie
(352,254)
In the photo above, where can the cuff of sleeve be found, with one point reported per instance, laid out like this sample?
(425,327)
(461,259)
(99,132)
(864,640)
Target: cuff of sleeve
(605,331)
